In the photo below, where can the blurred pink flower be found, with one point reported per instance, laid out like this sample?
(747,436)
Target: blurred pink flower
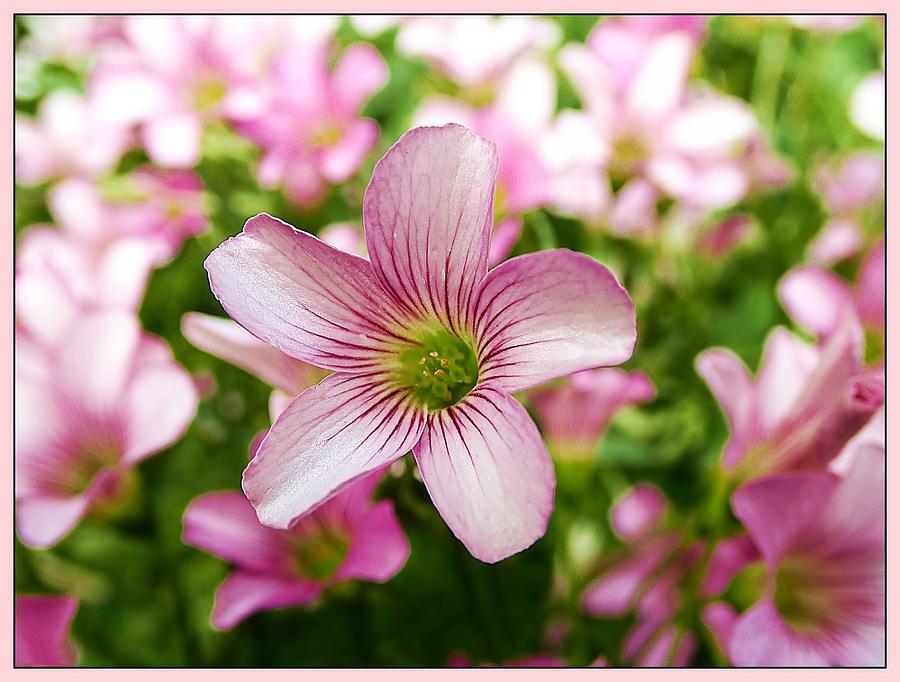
(867,106)
(645,576)
(102,252)
(850,190)
(723,237)
(475,51)
(67,38)
(516,122)
(632,78)
(42,631)
(804,406)
(818,299)
(86,413)
(822,539)
(575,413)
(426,345)
(349,537)
(174,75)
(311,132)
(68,137)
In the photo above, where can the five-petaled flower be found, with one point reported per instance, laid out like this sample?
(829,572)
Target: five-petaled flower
(426,345)
(349,537)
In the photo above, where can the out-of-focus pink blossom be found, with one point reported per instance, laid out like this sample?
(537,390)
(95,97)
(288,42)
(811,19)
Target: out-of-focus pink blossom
(516,122)
(695,146)
(850,191)
(424,342)
(867,106)
(42,631)
(68,137)
(475,51)
(174,75)
(311,132)
(822,540)
(722,238)
(645,576)
(86,413)
(349,537)
(574,414)
(68,38)
(818,299)
(102,251)
(804,406)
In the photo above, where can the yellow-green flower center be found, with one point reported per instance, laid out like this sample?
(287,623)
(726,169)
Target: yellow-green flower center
(799,597)
(319,556)
(208,93)
(439,370)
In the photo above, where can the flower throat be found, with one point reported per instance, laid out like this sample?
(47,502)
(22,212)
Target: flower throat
(440,369)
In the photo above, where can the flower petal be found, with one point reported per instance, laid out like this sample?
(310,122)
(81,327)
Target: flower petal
(359,74)
(378,546)
(42,521)
(226,339)
(762,638)
(159,404)
(224,524)
(548,314)
(309,300)
(173,140)
(815,299)
(243,594)
(427,214)
(327,437)
(776,510)
(41,630)
(96,359)
(731,385)
(489,474)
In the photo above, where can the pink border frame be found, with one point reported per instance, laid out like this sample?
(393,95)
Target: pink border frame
(458,6)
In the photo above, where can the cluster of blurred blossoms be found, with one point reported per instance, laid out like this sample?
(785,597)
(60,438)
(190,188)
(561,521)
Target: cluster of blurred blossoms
(785,563)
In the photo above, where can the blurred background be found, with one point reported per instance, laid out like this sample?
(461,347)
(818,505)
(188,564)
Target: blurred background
(700,158)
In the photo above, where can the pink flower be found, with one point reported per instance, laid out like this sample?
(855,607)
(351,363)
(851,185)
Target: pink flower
(646,576)
(804,406)
(350,537)
(850,192)
(818,299)
(174,76)
(426,345)
(822,539)
(68,137)
(867,106)
(475,51)
(42,631)
(516,123)
(575,413)
(103,251)
(632,79)
(311,132)
(719,241)
(87,413)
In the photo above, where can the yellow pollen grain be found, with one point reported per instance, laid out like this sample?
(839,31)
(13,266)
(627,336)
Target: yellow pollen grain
(444,362)
(433,353)
(439,373)
(421,361)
